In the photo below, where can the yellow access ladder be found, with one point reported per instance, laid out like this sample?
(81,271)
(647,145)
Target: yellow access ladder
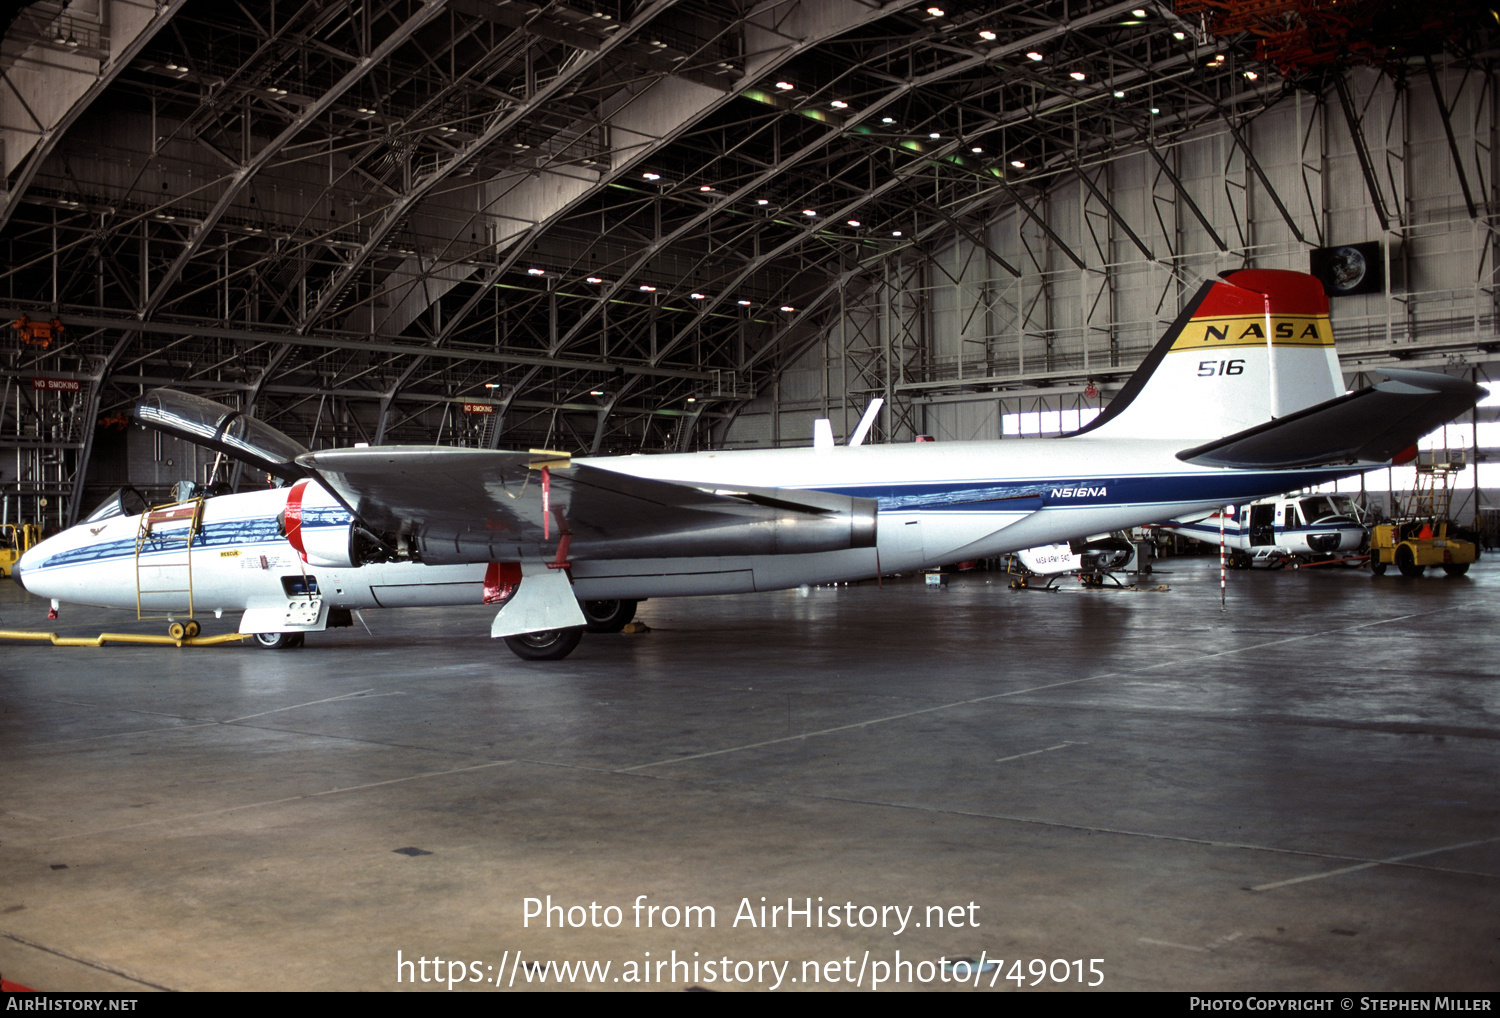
(163,531)
(1432,496)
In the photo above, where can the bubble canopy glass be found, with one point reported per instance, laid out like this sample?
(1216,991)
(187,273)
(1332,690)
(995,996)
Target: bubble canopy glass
(222,429)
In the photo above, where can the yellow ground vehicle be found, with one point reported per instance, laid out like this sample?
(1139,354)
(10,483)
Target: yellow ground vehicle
(15,540)
(1422,535)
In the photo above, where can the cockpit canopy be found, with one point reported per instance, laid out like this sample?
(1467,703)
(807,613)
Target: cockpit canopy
(124,502)
(222,429)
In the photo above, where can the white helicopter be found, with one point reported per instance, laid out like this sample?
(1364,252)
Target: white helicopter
(1299,528)
(1242,397)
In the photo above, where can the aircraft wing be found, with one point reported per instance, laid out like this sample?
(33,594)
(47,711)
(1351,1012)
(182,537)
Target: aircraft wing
(472,505)
(1372,425)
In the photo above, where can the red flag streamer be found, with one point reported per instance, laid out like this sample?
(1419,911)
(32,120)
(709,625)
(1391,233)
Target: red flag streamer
(1222,575)
(546,503)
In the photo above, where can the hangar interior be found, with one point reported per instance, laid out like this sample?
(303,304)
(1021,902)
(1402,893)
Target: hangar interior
(619,226)
(610,227)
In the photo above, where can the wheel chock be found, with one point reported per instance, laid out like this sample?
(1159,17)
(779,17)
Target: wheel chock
(636,627)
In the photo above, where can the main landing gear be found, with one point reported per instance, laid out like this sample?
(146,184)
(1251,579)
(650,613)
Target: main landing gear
(556,644)
(547,645)
(607,616)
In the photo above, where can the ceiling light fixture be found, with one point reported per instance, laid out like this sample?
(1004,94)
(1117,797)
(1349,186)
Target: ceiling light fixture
(788,308)
(986,35)
(785,86)
(887,120)
(762,201)
(1139,12)
(1034,55)
(536,272)
(698,296)
(839,104)
(593,279)
(809,212)
(1077,75)
(1018,164)
(936,12)
(854,222)
(650,176)
(647,288)
(743,303)
(895,233)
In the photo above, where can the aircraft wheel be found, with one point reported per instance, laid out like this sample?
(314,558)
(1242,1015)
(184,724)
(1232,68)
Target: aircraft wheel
(192,628)
(1406,561)
(277,641)
(607,616)
(177,630)
(1456,568)
(1378,568)
(547,645)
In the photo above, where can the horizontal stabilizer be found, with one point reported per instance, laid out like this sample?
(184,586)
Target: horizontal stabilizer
(1372,426)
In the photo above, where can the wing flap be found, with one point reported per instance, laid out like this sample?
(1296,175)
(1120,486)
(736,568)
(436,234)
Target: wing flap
(1371,426)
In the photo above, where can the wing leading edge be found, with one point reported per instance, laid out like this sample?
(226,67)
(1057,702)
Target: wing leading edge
(470,505)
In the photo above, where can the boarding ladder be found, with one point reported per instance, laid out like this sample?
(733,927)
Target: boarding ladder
(1432,496)
(164,581)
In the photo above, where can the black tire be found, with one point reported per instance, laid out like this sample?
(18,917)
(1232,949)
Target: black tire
(1456,568)
(276,641)
(1376,567)
(1406,561)
(607,616)
(192,628)
(547,645)
(177,630)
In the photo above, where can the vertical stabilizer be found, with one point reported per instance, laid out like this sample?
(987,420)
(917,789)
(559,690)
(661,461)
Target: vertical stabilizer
(1251,347)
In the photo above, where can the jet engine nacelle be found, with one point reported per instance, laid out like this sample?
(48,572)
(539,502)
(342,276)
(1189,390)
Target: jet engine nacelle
(319,527)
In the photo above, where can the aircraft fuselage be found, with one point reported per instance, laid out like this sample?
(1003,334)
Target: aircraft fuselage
(939,503)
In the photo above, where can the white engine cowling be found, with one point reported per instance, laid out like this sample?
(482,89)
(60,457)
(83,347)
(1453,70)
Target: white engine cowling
(319,527)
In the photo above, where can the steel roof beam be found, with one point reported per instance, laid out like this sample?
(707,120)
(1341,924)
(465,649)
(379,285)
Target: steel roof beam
(51,136)
(404,205)
(392,345)
(246,173)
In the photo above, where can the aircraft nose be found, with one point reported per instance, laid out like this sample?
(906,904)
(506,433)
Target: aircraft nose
(15,574)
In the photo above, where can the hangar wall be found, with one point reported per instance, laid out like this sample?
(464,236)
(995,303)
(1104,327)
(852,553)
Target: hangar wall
(1072,285)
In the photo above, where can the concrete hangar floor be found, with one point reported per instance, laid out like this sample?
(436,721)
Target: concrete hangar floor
(1298,794)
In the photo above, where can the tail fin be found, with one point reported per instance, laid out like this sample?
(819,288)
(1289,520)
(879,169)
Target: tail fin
(1248,348)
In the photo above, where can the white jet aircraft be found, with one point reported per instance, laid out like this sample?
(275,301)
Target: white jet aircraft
(1241,398)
